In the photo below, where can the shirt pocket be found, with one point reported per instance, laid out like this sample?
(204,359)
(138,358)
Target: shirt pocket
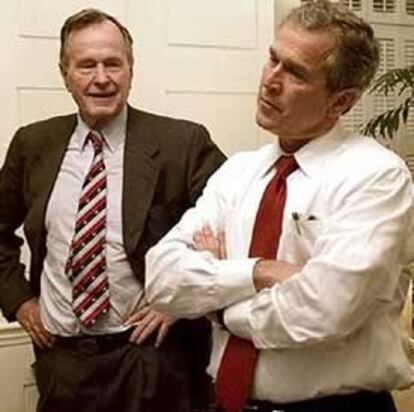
(302,232)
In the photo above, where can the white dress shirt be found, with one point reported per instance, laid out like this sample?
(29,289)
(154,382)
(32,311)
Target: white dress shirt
(126,293)
(333,327)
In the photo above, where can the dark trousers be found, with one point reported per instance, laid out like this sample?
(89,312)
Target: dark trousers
(363,401)
(108,374)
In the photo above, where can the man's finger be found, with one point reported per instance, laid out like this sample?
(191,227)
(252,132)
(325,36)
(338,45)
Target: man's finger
(143,330)
(197,241)
(162,333)
(42,341)
(37,339)
(141,326)
(137,316)
(207,231)
(147,331)
(42,336)
(222,245)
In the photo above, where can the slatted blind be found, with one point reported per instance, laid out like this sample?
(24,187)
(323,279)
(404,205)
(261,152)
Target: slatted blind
(409,61)
(355,5)
(409,7)
(354,119)
(387,62)
(384,6)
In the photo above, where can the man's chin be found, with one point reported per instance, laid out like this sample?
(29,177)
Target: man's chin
(101,117)
(265,123)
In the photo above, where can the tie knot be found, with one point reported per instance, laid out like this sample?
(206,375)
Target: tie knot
(285,165)
(96,138)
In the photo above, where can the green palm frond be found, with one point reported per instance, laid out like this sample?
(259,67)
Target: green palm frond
(387,123)
(397,82)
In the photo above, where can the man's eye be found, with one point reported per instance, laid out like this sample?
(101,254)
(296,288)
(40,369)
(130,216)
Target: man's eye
(110,64)
(298,75)
(295,72)
(86,66)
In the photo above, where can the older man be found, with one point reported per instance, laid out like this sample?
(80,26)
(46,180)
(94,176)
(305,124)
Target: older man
(94,191)
(297,247)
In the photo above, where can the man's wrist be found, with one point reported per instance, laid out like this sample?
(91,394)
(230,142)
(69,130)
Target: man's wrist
(257,279)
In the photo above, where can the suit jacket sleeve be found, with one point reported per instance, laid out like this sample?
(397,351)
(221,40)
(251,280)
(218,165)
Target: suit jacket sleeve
(14,288)
(204,159)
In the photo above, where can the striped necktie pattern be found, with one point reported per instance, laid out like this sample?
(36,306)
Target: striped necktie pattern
(86,265)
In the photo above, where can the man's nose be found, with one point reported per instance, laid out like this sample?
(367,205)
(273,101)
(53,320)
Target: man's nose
(274,79)
(275,87)
(101,75)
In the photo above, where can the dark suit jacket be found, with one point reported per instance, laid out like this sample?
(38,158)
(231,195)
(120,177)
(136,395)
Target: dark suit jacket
(167,163)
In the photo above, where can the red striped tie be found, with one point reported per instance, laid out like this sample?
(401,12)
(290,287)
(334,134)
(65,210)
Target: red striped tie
(86,265)
(236,370)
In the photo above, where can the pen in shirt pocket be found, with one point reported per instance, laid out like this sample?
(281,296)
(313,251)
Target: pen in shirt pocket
(298,218)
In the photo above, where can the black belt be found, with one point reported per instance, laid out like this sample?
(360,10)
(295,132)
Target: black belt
(363,401)
(93,343)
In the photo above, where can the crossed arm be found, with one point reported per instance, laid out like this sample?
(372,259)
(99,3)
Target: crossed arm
(266,272)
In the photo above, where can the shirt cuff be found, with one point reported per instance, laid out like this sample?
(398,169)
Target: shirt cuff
(235,280)
(236,319)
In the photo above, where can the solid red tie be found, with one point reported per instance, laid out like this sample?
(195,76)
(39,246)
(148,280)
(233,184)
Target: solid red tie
(86,266)
(237,366)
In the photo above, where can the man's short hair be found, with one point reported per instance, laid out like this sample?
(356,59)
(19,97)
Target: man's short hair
(88,17)
(355,59)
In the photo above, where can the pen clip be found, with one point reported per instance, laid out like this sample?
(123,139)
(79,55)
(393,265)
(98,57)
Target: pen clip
(295,217)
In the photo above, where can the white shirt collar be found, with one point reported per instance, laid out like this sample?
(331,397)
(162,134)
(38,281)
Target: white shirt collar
(312,155)
(114,133)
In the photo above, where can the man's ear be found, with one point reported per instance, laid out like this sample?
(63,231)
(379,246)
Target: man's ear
(343,101)
(63,73)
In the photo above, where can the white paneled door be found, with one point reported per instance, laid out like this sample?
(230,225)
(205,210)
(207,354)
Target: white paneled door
(202,60)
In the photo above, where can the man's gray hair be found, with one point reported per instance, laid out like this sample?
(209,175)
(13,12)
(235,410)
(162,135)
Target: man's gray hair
(86,18)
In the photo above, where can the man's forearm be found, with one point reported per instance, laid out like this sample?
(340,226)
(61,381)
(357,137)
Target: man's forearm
(267,273)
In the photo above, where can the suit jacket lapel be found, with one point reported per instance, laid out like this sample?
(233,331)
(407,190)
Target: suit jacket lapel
(140,178)
(55,146)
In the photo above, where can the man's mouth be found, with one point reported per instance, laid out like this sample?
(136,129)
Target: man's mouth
(267,103)
(101,95)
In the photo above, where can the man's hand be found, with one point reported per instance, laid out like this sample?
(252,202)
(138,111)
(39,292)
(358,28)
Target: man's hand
(267,273)
(28,315)
(205,239)
(146,322)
